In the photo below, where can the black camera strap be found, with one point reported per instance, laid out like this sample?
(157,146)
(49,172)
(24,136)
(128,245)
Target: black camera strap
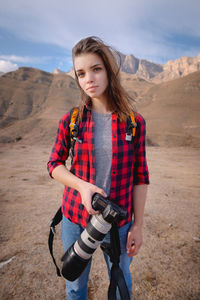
(55,221)
(117,277)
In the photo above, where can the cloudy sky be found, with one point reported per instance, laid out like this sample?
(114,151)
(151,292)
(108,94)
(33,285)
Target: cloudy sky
(41,33)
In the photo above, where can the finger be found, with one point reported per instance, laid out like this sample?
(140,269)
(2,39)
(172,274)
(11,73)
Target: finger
(93,212)
(133,251)
(136,249)
(88,207)
(129,242)
(90,210)
(102,192)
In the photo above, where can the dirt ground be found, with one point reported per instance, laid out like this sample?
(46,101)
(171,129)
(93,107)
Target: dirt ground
(168,265)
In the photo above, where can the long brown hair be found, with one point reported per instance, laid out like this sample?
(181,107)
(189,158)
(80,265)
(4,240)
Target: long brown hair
(120,102)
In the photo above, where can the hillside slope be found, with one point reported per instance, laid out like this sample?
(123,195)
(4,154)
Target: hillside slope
(172,111)
(32,102)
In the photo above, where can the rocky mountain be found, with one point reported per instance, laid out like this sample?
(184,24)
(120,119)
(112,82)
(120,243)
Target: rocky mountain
(178,68)
(156,72)
(140,67)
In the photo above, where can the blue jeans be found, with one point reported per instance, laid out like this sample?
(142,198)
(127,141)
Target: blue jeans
(78,289)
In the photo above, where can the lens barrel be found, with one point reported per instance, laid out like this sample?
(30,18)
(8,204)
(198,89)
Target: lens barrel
(73,264)
(79,254)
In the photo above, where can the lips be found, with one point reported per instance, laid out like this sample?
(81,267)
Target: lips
(92,88)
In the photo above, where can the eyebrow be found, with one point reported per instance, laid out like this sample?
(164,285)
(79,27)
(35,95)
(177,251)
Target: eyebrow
(93,66)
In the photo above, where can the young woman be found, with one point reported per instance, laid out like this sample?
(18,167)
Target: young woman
(105,162)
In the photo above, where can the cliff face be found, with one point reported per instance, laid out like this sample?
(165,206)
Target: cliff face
(130,64)
(179,68)
(156,72)
(141,67)
(148,69)
(184,65)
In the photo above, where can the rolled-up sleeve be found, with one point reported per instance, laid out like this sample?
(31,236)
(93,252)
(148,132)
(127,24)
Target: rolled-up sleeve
(60,150)
(141,173)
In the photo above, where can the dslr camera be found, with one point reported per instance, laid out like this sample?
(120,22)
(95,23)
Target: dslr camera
(78,255)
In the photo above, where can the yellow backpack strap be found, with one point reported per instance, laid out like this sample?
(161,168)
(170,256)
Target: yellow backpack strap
(73,126)
(134,124)
(74,131)
(131,127)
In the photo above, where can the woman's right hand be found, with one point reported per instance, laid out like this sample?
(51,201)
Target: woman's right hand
(87,190)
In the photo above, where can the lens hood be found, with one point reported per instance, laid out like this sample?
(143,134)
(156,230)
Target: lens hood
(73,264)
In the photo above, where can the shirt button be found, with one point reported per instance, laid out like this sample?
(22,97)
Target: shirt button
(114,136)
(114,172)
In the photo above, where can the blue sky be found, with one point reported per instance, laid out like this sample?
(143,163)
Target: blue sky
(41,33)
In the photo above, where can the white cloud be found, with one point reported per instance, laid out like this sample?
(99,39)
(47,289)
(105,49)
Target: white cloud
(7,66)
(24,59)
(15,58)
(142,27)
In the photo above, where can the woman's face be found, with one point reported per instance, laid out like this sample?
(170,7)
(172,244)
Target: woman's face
(92,75)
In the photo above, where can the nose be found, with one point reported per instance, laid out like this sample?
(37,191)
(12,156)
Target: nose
(89,77)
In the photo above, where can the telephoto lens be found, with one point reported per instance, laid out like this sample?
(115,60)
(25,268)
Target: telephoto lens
(78,255)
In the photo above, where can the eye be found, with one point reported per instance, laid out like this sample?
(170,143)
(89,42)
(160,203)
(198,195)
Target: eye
(97,69)
(80,75)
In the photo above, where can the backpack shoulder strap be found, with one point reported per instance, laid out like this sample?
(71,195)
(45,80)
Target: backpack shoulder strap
(73,122)
(74,130)
(134,124)
(131,127)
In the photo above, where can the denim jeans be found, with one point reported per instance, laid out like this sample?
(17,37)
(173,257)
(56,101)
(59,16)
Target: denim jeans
(78,289)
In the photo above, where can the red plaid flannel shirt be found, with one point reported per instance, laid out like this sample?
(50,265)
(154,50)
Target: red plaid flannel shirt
(129,166)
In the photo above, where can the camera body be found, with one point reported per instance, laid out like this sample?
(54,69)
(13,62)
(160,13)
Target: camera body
(109,210)
(79,254)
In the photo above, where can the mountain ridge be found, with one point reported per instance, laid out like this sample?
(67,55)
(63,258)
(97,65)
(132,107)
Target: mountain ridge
(32,102)
(154,72)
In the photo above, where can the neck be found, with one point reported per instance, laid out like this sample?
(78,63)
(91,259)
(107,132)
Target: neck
(100,105)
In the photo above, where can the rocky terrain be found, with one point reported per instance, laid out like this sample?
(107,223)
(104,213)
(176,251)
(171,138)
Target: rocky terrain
(156,72)
(141,67)
(178,68)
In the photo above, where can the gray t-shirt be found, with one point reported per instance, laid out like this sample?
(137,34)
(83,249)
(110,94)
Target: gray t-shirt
(103,150)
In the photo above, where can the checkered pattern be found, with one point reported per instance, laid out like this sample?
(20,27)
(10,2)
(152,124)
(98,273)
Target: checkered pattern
(129,166)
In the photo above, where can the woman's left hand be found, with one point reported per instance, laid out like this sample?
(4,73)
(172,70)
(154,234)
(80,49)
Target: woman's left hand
(134,240)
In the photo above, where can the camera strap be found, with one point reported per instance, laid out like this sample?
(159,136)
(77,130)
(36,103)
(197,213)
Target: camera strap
(55,221)
(113,250)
